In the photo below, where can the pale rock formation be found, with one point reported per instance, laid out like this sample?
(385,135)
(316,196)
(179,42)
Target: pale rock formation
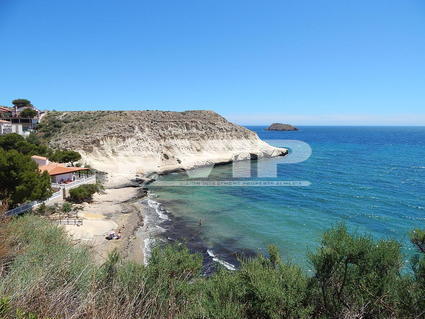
(127,143)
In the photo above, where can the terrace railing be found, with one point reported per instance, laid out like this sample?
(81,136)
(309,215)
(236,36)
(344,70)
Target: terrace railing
(30,206)
(21,209)
(65,220)
(85,180)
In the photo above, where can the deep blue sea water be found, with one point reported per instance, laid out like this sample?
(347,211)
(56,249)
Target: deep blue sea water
(370,178)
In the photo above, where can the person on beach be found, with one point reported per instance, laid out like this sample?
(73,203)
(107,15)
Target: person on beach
(110,236)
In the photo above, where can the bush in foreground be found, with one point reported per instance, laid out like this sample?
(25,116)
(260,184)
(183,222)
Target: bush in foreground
(353,277)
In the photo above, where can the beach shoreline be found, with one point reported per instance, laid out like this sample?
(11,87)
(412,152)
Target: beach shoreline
(114,209)
(176,229)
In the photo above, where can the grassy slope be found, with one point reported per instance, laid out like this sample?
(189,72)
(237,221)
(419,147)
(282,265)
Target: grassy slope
(355,277)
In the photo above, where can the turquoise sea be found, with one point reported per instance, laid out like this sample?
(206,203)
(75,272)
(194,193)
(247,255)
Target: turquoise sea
(370,178)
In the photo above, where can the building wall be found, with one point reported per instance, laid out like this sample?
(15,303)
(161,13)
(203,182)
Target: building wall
(17,128)
(40,162)
(64,177)
(5,128)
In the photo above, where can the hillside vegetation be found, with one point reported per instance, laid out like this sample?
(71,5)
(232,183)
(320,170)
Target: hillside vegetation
(44,273)
(84,130)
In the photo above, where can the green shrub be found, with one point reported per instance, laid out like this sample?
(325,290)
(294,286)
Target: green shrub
(354,277)
(83,193)
(262,288)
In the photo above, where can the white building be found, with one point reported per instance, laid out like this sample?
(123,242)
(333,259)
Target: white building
(59,173)
(5,127)
(17,128)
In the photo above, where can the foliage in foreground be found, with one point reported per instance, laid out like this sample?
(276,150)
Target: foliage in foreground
(353,277)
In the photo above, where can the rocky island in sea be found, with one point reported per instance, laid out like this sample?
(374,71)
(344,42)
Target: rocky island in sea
(281,127)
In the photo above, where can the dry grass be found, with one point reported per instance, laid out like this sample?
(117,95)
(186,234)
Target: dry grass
(54,278)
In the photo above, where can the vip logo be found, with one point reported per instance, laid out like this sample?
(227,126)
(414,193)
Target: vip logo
(298,151)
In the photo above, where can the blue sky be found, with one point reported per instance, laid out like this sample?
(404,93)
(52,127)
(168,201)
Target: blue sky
(255,62)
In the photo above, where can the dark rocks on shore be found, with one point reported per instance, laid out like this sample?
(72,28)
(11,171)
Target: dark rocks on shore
(281,127)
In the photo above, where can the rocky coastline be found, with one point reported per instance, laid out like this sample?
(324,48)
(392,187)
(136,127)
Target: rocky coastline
(132,147)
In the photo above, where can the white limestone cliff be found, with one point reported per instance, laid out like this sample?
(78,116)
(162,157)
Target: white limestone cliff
(127,143)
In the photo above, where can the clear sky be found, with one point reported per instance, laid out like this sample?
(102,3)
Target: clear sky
(255,62)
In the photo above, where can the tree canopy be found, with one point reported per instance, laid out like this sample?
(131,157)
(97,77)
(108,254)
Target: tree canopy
(30,146)
(33,146)
(28,113)
(21,102)
(20,179)
(65,156)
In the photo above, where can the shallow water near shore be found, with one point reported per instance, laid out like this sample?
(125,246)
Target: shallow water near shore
(370,178)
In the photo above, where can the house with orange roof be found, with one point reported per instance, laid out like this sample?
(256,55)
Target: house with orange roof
(59,173)
(5,110)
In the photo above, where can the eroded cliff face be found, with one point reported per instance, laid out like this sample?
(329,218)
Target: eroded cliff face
(127,143)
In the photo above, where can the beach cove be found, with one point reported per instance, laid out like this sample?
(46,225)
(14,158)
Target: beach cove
(225,224)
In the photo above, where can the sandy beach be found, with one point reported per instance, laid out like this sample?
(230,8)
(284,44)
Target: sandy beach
(114,209)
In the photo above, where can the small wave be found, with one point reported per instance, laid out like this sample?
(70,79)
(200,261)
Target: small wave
(161,229)
(414,218)
(222,262)
(158,209)
(154,216)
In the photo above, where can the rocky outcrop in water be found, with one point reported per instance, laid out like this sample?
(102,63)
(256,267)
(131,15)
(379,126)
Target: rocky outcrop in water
(126,143)
(281,127)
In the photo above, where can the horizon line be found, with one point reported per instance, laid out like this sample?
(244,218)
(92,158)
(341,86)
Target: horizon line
(342,125)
